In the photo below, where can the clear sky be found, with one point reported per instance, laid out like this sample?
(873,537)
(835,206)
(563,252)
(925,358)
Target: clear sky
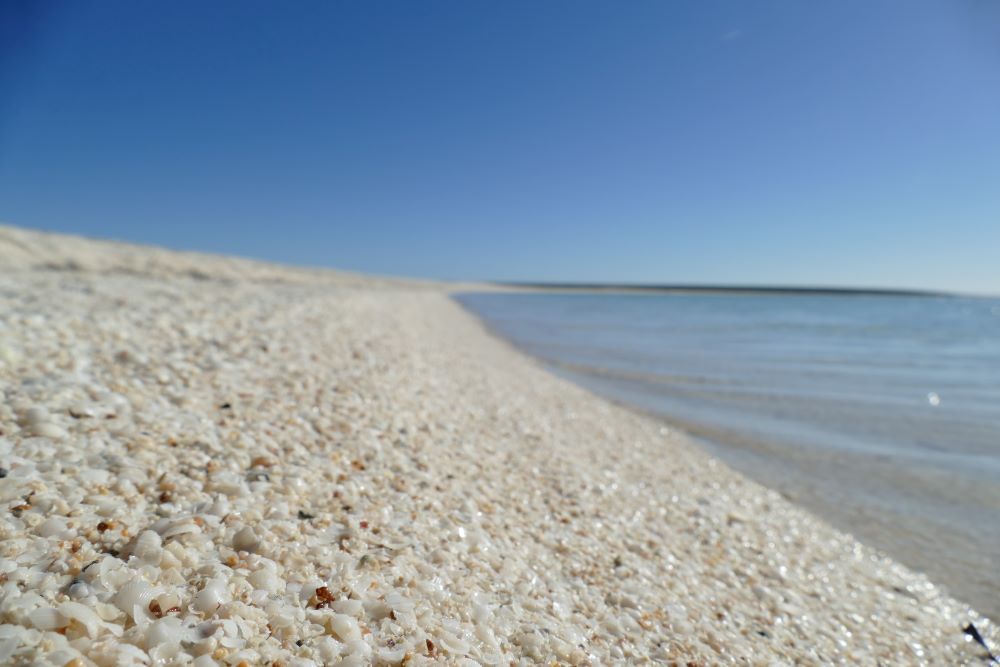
(847,143)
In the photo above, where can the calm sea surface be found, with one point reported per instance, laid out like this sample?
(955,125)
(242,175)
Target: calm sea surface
(881,414)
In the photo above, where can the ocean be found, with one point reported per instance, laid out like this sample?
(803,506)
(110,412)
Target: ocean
(880,414)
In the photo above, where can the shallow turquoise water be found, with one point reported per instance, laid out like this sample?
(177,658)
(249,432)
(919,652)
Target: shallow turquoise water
(880,413)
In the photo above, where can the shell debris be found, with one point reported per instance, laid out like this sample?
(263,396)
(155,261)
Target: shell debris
(213,461)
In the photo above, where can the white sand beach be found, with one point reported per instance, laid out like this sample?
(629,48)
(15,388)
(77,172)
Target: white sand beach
(216,461)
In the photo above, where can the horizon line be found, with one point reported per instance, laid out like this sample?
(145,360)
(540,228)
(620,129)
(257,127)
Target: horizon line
(676,288)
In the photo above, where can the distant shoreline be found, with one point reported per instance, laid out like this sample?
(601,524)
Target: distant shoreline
(722,289)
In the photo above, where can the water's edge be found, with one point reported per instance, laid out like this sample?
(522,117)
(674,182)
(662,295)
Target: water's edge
(949,555)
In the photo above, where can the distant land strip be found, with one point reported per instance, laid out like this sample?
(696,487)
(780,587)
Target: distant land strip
(722,289)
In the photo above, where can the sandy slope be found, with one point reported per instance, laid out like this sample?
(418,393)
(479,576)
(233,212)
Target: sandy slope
(222,461)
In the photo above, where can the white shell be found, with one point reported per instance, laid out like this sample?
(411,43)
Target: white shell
(392,656)
(162,653)
(167,630)
(345,628)
(328,648)
(210,597)
(280,615)
(51,527)
(359,648)
(83,615)
(246,540)
(399,603)
(79,590)
(452,644)
(308,590)
(353,661)
(136,594)
(264,579)
(348,606)
(47,618)
(148,547)
(181,527)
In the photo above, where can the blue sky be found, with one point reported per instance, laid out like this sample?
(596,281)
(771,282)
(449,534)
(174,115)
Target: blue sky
(847,143)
